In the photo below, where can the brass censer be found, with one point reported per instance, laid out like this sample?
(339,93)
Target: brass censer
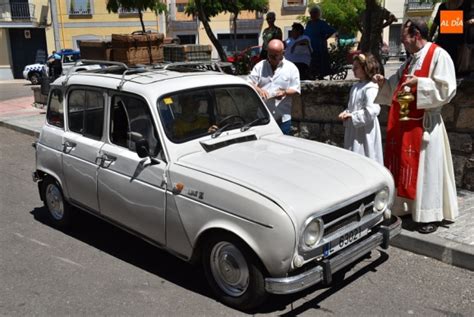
(404,98)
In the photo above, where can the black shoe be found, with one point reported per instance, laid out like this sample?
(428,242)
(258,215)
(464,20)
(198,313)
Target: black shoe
(429,227)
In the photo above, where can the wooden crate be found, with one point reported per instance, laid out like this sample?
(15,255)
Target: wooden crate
(137,40)
(187,53)
(97,50)
(137,55)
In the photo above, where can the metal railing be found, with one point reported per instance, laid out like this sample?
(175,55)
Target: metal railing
(17,11)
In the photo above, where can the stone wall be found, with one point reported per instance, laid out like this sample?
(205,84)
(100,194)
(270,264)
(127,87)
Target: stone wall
(315,117)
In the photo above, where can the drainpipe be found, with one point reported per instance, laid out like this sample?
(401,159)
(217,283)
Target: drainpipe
(54,20)
(172,18)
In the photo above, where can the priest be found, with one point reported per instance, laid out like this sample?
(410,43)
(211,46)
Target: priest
(417,150)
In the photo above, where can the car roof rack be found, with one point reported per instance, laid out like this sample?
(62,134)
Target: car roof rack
(197,66)
(107,67)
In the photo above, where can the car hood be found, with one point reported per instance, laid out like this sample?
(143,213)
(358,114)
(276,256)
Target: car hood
(301,176)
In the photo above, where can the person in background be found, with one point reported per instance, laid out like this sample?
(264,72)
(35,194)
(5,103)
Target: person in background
(190,123)
(270,33)
(362,129)
(450,41)
(371,23)
(298,50)
(55,68)
(319,31)
(417,150)
(277,80)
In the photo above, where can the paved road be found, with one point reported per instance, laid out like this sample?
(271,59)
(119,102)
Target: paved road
(95,269)
(12,89)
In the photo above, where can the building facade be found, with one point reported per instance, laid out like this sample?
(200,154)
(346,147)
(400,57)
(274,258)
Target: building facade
(23,35)
(29,29)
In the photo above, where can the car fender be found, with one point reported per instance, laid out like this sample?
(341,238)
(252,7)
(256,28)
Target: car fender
(211,203)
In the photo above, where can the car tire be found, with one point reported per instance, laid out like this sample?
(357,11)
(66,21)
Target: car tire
(234,272)
(35,78)
(59,210)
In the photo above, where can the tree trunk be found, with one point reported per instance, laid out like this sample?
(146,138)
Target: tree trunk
(234,22)
(371,42)
(140,14)
(205,22)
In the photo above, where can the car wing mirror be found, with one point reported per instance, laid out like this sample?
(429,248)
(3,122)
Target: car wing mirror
(142,147)
(141,144)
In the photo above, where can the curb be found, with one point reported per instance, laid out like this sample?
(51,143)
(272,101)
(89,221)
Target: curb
(18,128)
(450,252)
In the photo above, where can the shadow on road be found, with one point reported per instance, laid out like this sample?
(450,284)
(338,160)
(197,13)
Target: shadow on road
(131,249)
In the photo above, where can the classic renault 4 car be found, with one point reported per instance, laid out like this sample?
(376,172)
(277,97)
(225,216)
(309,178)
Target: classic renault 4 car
(193,162)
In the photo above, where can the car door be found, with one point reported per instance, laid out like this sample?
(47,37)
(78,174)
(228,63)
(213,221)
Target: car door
(81,145)
(131,190)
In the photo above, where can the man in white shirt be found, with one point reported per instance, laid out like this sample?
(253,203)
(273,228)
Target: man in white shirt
(417,150)
(298,50)
(276,80)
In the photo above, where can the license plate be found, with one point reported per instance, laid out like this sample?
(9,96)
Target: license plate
(344,240)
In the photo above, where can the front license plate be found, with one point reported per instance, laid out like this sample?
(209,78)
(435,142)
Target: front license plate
(345,240)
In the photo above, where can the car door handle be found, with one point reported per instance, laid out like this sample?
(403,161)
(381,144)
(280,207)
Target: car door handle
(106,160)
(68,146)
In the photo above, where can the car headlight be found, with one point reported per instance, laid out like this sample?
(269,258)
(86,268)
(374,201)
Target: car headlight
(313,232)
(381,200)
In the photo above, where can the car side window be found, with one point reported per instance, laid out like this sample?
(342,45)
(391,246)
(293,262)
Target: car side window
(86,112)
(130,114)
(55,112)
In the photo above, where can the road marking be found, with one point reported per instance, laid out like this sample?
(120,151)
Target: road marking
(68,261)
(40,243)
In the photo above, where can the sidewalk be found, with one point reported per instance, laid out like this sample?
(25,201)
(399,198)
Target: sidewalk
(452,243)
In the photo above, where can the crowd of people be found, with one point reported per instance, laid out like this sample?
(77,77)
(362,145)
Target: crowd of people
(417,150)
(307,47)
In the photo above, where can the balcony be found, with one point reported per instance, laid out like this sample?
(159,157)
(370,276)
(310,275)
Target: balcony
(183,25)
(294,5)
(418,5)
(17,12)
(247,21)
(80,8)
(127,12)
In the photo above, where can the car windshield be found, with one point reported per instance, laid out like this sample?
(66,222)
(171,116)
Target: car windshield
(190,114)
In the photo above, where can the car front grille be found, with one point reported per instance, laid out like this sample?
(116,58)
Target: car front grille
(346,215)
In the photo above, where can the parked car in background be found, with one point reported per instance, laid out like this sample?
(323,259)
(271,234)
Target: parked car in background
(193,162)
(34,72)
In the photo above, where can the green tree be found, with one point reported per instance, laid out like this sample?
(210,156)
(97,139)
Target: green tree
(341,14)
(206,9)
(140,5)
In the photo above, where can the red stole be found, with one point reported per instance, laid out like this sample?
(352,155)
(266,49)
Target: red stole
(404,138)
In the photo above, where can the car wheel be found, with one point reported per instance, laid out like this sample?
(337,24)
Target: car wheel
(234,273)
(59,210)
(35,78)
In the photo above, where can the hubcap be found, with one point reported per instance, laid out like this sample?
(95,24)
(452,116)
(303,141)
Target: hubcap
(229,268)
(54,201)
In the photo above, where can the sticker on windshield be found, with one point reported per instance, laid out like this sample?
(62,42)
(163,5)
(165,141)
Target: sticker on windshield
(168,101)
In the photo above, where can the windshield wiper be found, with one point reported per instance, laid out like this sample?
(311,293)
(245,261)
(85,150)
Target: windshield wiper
(252,123)
(220,130)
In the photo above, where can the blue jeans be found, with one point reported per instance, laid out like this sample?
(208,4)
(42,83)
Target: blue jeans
(286,127)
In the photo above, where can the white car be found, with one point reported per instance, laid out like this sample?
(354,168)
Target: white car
(193,162)
(69,59)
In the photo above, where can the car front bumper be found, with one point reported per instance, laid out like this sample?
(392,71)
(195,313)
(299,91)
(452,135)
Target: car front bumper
(324,270)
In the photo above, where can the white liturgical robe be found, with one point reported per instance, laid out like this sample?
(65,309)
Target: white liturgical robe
(435,189)
(362,131)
